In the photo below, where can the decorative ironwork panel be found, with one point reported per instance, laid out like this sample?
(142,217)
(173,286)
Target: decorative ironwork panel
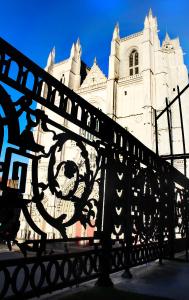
(91,171)
(35,276)
(138,179)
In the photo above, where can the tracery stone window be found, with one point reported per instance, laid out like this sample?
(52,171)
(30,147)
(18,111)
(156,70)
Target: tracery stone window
(133,63)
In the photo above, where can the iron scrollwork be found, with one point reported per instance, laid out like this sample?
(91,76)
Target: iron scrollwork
(65,172)
(68,180)
(146,208)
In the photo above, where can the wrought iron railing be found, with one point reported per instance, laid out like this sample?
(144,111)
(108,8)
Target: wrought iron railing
(135,202)
(173,153)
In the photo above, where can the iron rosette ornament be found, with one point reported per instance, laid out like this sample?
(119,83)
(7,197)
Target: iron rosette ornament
(145,205)
(70,184)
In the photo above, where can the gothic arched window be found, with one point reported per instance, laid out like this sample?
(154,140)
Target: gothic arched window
(133,63)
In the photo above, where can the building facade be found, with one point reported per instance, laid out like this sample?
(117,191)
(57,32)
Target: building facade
(142,73)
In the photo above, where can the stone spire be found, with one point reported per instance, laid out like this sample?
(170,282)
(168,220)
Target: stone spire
(78,46)
(76,50)
(116,32)
(114,54)
(78,42)
(167,43)
(167,37)
(75,65)
(72,51)
(146,22)
(150,21)
(51,58)
(150,14)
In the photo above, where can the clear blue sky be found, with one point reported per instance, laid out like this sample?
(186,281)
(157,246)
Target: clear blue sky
(35,26)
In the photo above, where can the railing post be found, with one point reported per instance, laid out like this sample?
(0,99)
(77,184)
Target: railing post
(105,261)
(128,220)
(162,218)
(156,131)
(169,130)
(171,204)
(182,129)
(105,236)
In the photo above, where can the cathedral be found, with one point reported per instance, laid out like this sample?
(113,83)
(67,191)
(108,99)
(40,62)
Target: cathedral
(142,73)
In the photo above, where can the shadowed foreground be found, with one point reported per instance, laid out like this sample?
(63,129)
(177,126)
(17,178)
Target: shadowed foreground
(150,281)
(98,293)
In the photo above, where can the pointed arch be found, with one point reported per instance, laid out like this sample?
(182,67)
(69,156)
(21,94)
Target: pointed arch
(133,62)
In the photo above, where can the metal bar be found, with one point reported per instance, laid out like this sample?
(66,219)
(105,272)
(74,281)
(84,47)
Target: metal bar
(42,76)
(171,216)
(182,128)
(186,221)
(99,218)
(156,132)
(107,222)
(165,109)
(128,221)
(176,156)
(169,128)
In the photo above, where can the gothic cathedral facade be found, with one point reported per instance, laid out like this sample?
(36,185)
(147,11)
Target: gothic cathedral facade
(142,73)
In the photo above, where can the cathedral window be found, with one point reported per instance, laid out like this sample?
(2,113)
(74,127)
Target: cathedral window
(133,63)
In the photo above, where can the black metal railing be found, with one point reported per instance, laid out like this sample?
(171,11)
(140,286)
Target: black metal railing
(170,106)
(134,202)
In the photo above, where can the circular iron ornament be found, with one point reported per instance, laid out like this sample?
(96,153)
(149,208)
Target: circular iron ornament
(66,270)
(96,260)
(115,259)
(6,282)
(70,171)
(133,257)
(77,267)
(34,271)
(55,274)
(139,253)
(88,264)
(147,222)
(69,168)
(16,279)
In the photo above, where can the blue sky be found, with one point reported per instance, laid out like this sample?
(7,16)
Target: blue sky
(35,26)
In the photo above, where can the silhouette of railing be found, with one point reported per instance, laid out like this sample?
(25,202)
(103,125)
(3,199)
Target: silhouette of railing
(135,202)
(167,110)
